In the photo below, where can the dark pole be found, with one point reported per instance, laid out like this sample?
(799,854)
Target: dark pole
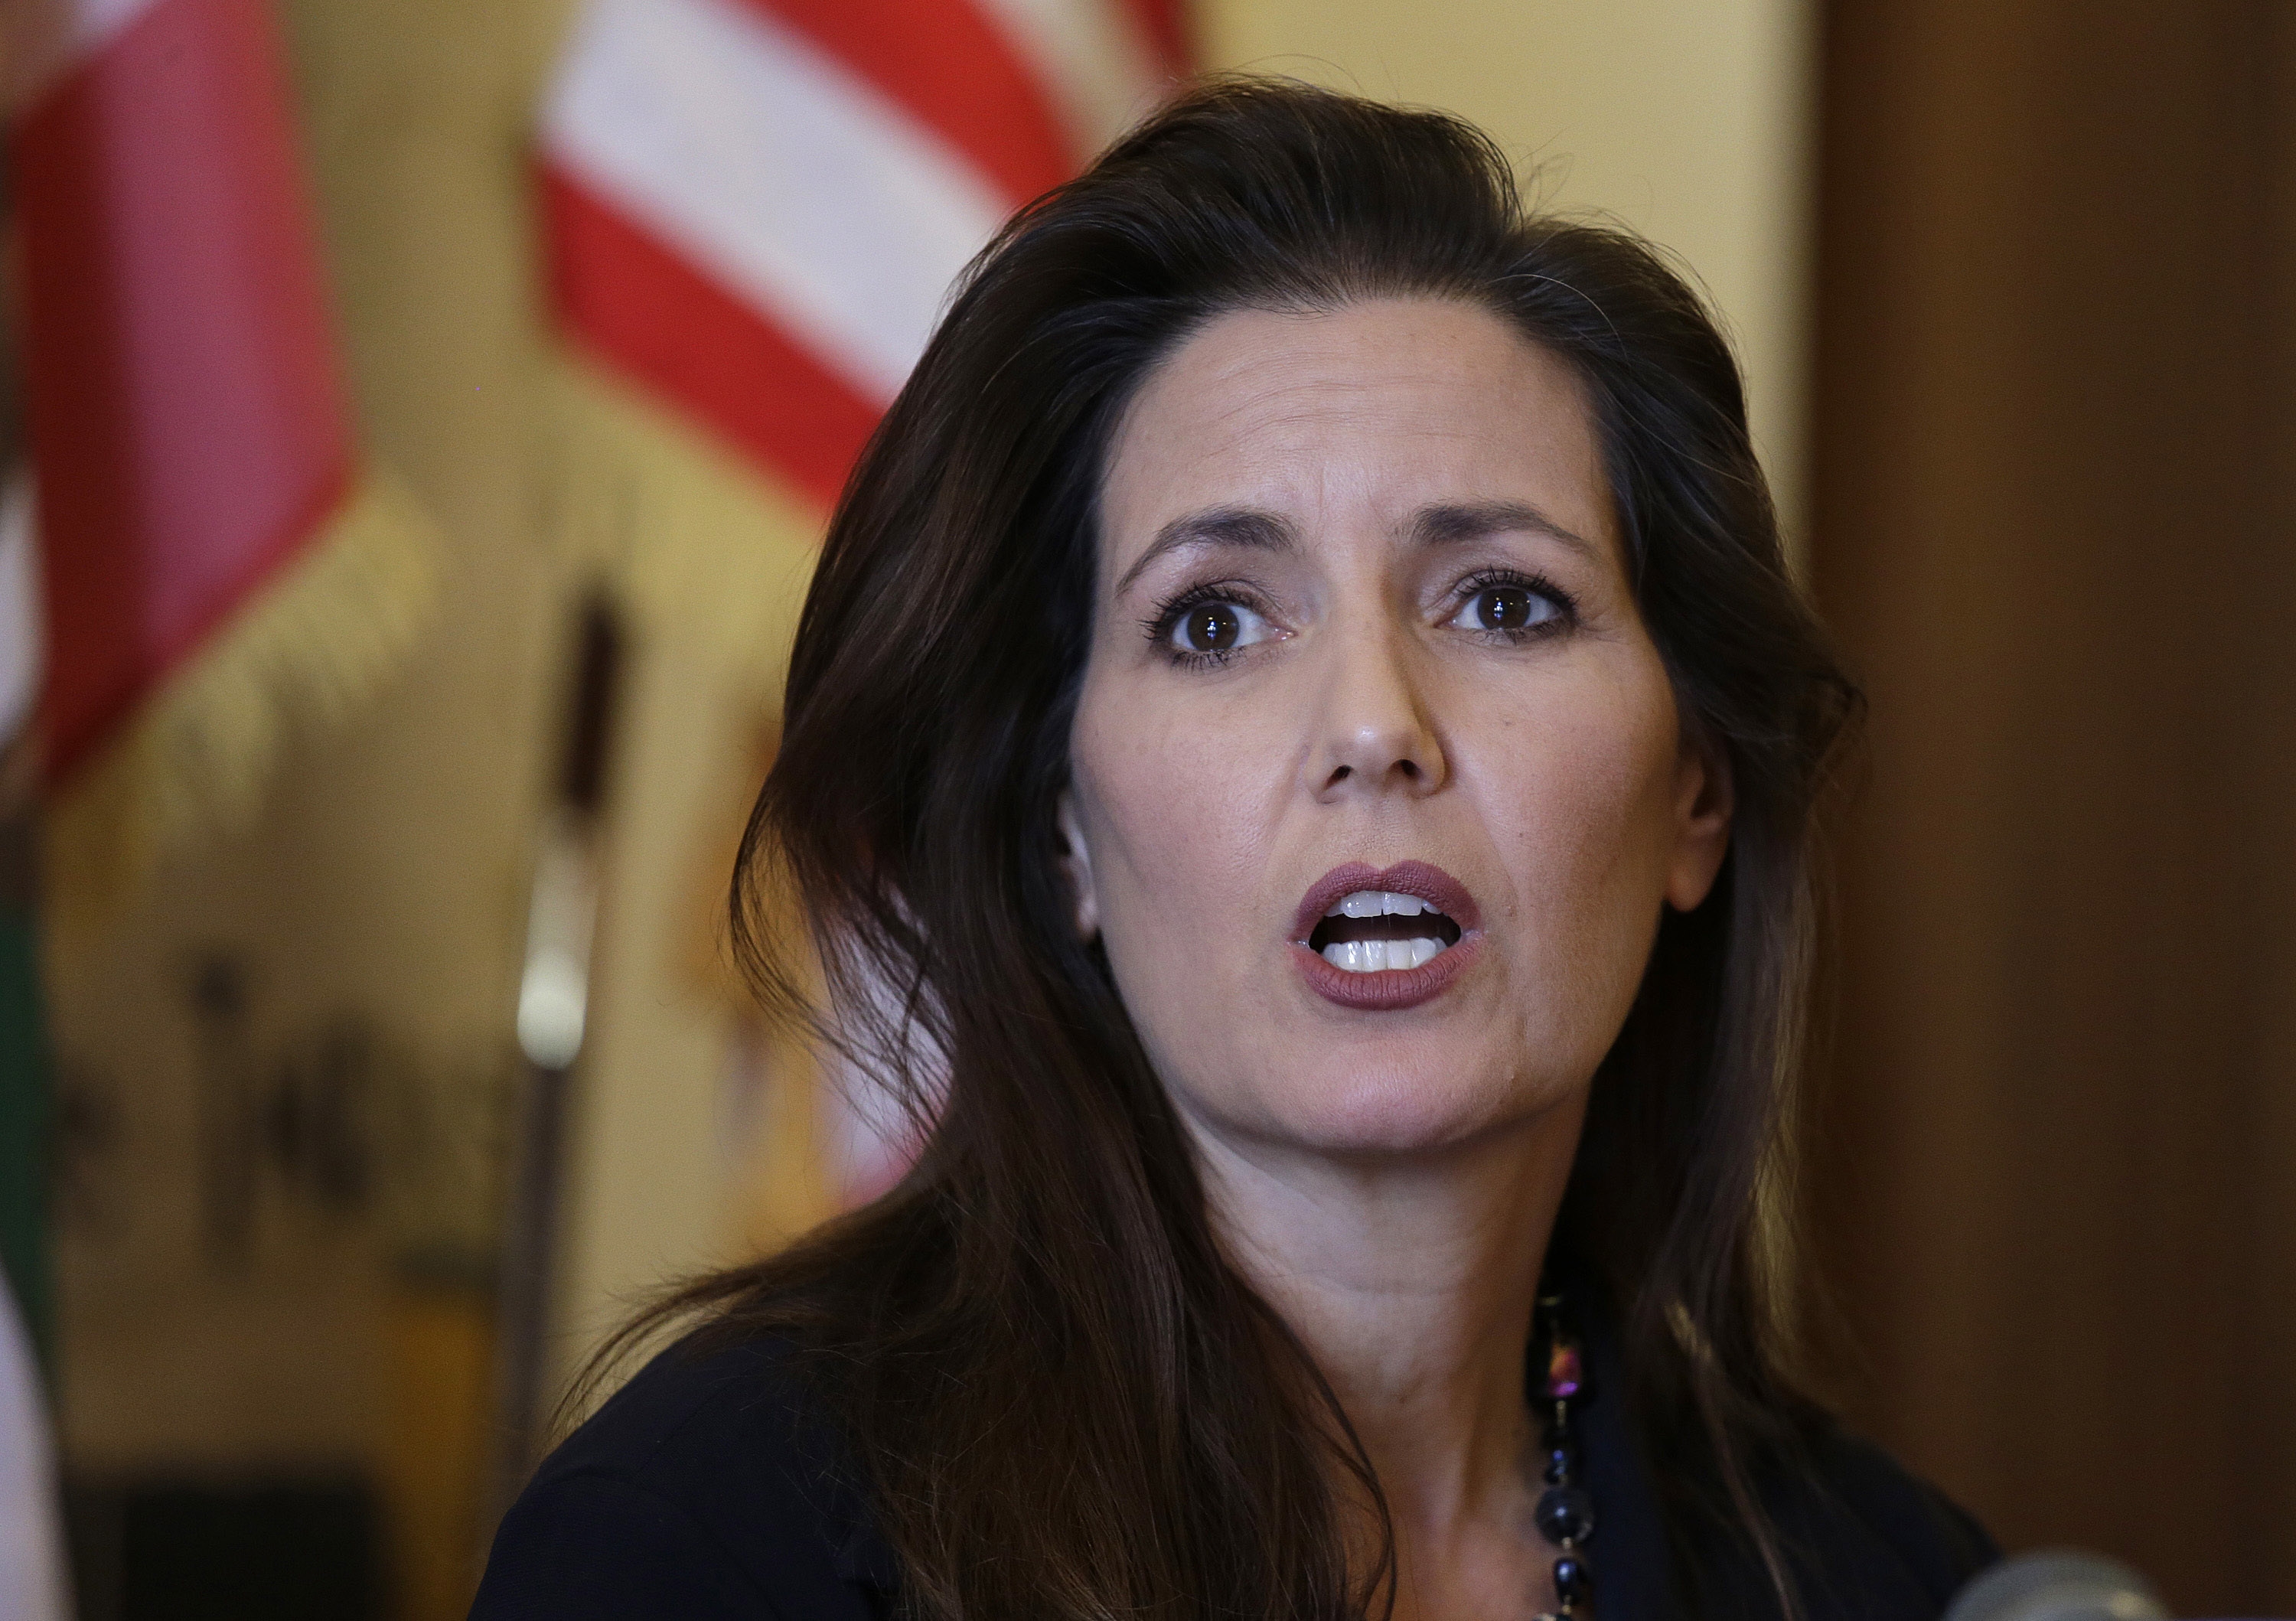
(553,1001)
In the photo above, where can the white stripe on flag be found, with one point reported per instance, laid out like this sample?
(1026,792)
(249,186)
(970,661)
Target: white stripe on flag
(1089,54)
(750,152)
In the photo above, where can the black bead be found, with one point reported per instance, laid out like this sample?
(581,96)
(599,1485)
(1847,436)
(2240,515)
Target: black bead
(1565,1515)
(1558,1465)
(1574,1584)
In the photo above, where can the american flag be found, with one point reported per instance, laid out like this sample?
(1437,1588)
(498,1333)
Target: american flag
(756,207)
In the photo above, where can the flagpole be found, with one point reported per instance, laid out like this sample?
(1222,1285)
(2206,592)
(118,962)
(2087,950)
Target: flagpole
(552,1012)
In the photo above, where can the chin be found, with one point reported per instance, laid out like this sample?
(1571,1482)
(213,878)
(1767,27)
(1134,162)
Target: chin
(1389,1111)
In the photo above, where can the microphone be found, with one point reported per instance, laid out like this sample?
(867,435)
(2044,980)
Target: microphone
(2060,1584)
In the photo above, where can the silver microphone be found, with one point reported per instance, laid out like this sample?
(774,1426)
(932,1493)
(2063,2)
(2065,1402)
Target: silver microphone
(2057,1586)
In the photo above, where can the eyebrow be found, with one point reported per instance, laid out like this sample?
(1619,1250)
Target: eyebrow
(1446,523)
(1230,525)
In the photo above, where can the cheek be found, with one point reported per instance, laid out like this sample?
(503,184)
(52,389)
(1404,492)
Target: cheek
(1166,805)
(1169,863)
(1579,795)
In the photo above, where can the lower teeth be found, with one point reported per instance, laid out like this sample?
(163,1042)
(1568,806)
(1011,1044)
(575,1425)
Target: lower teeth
(1373,956)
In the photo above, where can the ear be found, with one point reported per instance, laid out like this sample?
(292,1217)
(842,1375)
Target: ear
(1076,860)
(1703,800)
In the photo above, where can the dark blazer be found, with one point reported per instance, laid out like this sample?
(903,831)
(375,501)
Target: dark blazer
(710,1488)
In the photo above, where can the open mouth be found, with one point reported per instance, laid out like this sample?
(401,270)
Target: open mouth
(1382,939)
(1371,932)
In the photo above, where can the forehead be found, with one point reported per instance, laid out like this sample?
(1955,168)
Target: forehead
(1355,416)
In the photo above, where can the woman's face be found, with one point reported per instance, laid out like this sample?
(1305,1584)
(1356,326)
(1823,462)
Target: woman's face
(1378,786)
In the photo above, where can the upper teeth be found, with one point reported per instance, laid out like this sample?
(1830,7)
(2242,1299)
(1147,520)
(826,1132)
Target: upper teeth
(1380,903)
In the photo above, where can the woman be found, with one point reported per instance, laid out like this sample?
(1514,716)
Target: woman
(1300,754)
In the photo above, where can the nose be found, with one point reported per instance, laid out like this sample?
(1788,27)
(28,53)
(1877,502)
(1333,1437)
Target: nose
(1376,735)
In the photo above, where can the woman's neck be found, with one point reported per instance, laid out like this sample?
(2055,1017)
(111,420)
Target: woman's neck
(1411,1281)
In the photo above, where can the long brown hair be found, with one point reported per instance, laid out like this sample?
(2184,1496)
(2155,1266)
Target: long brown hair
(1066,1400)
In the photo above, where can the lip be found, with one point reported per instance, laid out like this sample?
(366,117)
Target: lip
(1394,987)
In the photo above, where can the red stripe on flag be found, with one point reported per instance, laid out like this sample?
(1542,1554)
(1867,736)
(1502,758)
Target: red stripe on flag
(187,419)
(955,72)
(656,316)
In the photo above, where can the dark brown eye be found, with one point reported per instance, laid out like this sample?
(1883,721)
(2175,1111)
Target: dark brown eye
(1211,627)
(1506,607)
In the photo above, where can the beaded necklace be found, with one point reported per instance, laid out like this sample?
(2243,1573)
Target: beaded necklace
(1565,1514)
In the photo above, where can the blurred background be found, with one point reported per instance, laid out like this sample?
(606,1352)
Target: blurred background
(417,417)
